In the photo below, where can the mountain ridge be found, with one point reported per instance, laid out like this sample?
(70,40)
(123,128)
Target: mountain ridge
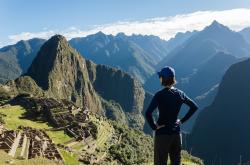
(228,136)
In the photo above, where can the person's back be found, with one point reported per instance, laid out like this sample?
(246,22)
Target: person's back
(167,128)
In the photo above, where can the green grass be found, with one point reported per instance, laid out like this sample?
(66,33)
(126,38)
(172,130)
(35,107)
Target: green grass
(78,146)
(69,158)
(13,120)
(58,136)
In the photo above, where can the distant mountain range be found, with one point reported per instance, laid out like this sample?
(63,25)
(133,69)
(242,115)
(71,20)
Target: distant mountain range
(117,51)
(221,133)
(15,59)
(136,54)
(199,49)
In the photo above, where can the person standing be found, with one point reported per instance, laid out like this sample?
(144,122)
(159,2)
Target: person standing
(167,140)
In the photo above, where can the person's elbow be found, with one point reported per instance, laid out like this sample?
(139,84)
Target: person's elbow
(195,107)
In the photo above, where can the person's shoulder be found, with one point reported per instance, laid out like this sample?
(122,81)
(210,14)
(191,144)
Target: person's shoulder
(179,91)
(158,92)
(182,94)
(176,89)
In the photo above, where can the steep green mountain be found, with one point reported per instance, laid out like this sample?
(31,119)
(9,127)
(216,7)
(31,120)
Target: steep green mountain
(220,135)
(15,59)
(62,73)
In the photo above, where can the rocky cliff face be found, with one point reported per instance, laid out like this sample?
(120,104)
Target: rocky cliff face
(113,84)
(221,134)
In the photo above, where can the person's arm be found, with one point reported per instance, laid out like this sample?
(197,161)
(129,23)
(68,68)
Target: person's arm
(153,105)
(192,107)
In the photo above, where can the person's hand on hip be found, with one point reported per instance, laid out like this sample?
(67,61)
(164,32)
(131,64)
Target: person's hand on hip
(159,126)
(178,122)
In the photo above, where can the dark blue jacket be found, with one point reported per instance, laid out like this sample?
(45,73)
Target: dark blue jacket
(169,102)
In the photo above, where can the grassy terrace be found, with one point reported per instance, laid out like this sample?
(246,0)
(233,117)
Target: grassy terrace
(104,133)
(14,119)
(69,158)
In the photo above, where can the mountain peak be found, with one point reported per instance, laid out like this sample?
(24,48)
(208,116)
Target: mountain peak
(61,71)
(216,26)
(215,23)
(58,37)
(99,36)
(100,33)
(121,35)
(57,40)
(55,51)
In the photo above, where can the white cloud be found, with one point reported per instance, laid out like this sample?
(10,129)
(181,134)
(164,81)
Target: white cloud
(164,27)
(28,35)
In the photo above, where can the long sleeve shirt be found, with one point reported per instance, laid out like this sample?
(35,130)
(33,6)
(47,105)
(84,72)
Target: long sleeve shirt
(169,102)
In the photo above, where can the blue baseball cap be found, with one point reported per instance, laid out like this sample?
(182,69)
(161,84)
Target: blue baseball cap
(166,72)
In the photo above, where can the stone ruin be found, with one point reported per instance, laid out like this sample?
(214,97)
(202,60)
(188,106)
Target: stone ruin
(75,122)
(35,104)
(62,114)
(78,132)
(7,138)
(33,143)
(1,129)
(40,144)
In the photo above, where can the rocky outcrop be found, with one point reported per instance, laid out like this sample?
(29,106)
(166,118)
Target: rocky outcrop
(61,72)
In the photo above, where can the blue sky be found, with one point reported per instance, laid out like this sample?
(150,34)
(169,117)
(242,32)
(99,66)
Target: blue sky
(59,16)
